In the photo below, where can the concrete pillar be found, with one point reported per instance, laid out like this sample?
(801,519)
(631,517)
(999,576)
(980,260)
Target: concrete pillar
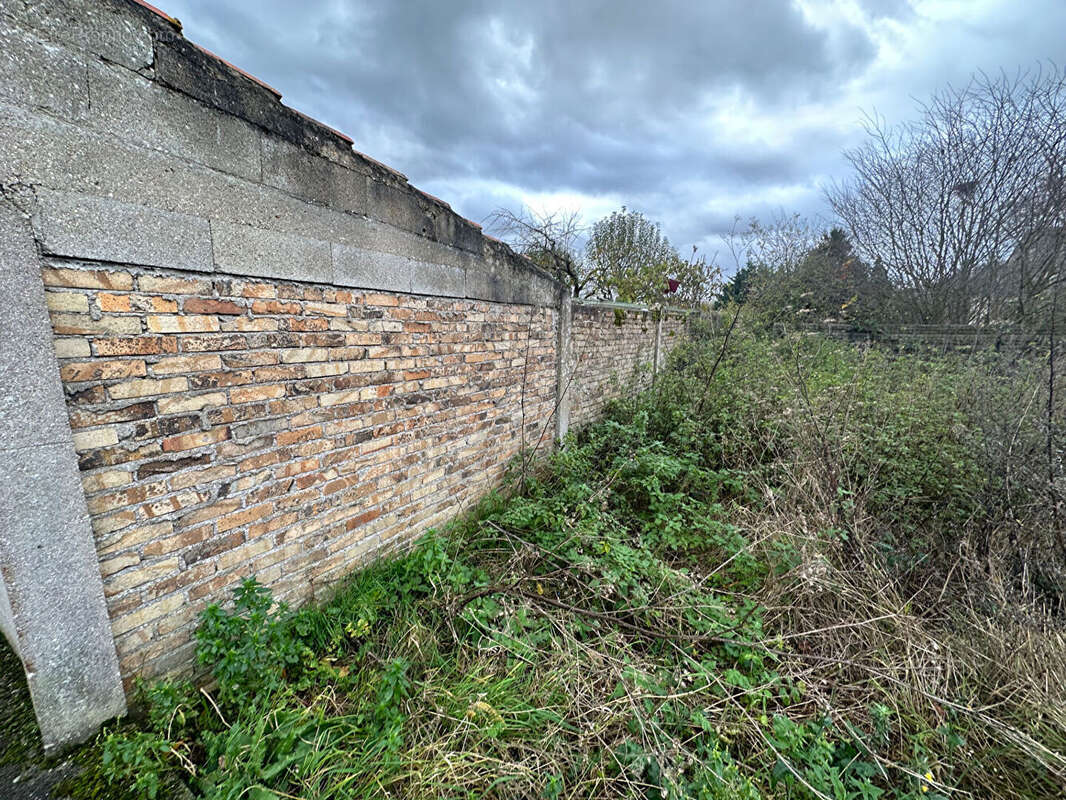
(655,365)
(564,363)
(52,605)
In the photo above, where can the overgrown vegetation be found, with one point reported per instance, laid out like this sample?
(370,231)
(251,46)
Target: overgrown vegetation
(790,569)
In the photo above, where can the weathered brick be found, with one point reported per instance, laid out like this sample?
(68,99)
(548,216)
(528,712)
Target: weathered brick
(163,284)
(173,323)
(326,309)
(246,324)
(132,577)
(178,542)
(212,547)
(146,614)
(128,413)
(203,344)
(252,394)
(113,302)
(109,479)
(286,438)
(209,512)
(69,324)
(175,502)
(112,565)
(304,354)
(160,305)
(245,516)
(327,424)
(101,370)
(132,537)
(258,290)
(180,364)
(178,405)
(147,386)
(188,616)
(207,305)
(381,300)
(139,346)
(201,477)
(189,441)
(166,466)
(87,279)
(218,585)
(67,301)
(92,439)
(275,307)
(72,348)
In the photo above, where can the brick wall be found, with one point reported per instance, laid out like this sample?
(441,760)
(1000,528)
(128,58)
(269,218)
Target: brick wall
(613,350)
(229,427)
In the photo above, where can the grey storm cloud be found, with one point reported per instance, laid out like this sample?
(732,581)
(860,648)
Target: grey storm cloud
(487,103)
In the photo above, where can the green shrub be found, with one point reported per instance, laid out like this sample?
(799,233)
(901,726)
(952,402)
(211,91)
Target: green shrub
(252,650)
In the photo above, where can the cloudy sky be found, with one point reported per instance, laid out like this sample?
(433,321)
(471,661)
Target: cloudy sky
(691,112)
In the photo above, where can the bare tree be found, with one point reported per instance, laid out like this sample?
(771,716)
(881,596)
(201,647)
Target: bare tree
(551,240)
(964,207)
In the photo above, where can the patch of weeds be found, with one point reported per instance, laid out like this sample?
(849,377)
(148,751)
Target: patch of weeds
(20,741)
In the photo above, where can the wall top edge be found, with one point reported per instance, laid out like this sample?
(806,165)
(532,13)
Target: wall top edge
(611,304)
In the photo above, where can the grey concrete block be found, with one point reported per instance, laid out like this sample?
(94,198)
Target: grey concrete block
(157,118)
(438,279)
(298,172)
(542,291)
(37,74)
(53,583)
(449,228)
(82,226)
(564,363)
(244,250)
(484,281)
(33,410)
(468,236)
(504,277)
(366,269)
(97,28)
(400,207)
(388,272)
(53,601)
(378,236)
